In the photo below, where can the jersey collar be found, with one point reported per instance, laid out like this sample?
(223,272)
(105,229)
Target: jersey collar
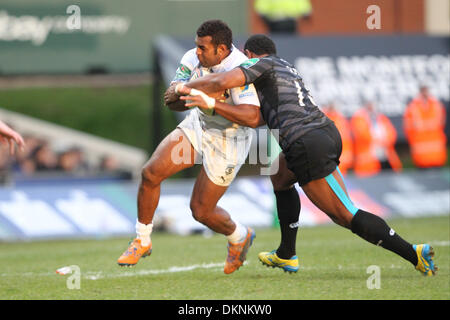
(222,66)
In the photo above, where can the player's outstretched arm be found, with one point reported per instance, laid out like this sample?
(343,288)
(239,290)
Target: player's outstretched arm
(247,115)
(217,82)
(10,136)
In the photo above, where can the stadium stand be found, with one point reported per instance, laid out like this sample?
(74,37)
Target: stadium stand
(52,150)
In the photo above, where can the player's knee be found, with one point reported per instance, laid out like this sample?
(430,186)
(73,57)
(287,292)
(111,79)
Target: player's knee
(346,222)
(150,176)
(199,212)
(280,183)
(344,219)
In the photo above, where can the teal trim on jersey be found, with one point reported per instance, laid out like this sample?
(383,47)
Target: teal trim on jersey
(335,186)
(248,63)
(183,73)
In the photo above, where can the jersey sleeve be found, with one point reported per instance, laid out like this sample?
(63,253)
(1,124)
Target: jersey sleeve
(245,95)
(183,74)
(187,64)
(254,68)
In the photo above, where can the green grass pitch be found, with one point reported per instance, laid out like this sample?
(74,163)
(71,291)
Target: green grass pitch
(333,265)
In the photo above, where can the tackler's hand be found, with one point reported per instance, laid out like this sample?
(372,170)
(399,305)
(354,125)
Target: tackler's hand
(199,99)
(181,89)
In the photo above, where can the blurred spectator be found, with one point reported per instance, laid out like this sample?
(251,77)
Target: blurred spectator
(374,141)
(281,16)
(72,161)
(40,158)
(4,158)
(25,161)
(67,161)
(32,143)
(4,163)
(44,158)
(27,166)
(108,163)
(424,124)
(344,128)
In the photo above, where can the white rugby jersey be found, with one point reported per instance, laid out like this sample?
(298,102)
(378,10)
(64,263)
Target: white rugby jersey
(241,95)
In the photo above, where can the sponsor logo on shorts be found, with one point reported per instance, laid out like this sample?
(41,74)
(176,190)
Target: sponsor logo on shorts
(229,170)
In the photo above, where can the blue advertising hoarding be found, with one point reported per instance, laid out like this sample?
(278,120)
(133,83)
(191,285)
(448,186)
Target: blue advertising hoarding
(101,209)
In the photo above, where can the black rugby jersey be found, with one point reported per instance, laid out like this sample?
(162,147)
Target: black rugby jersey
(285,102)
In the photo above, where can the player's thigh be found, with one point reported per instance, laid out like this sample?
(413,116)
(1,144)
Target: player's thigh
(282,178)
(330,196)
(206,193)
(172,155)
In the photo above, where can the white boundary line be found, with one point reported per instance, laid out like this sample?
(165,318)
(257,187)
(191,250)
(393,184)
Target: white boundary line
(123,271)
(440,243)
(92,275)
(100,275)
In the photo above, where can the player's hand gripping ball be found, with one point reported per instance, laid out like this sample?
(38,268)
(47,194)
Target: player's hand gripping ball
(199,72)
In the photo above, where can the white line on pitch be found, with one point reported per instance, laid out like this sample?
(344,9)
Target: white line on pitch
(100,275)
(440,243)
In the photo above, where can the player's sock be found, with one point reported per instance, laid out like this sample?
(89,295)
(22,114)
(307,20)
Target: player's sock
(143,232)
(288,207)
(238,234)
(375,230)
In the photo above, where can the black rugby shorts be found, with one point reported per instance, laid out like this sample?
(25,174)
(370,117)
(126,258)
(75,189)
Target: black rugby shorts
(315,154)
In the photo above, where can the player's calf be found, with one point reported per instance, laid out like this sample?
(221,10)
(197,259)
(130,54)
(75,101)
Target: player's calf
(376,231)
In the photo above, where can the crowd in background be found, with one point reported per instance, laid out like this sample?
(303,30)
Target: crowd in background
(369,137)
(39,157)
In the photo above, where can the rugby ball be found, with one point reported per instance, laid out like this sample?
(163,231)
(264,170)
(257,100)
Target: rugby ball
(199,72)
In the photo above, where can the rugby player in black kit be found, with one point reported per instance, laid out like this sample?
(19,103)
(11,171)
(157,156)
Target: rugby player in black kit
(311,146)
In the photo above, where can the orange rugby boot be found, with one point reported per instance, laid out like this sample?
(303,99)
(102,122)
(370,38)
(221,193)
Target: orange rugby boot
(237,252)
(134,252)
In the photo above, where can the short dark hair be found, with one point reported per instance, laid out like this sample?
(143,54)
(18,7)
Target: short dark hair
(218,30)
(260,44)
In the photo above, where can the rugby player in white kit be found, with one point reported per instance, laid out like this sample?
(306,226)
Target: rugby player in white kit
(221,145)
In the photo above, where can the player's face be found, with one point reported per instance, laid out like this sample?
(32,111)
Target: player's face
(208,54)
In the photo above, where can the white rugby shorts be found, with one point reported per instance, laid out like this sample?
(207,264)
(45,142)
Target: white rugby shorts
(221,156)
